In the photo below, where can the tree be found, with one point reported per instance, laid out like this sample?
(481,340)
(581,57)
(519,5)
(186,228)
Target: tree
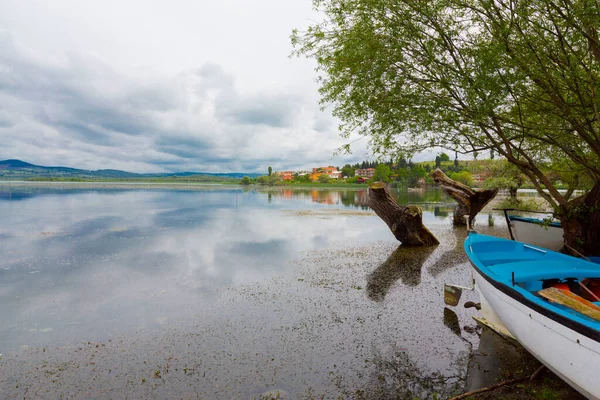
(403,175)
(246,180)
(444,157)
(271,180)
(505,176)
(469,201)
(305,178)
(438,161)
(382,173)
(464,177)
(416,173)
(324,178)
(270,170)
(519,77)
(405,222)
(347,171)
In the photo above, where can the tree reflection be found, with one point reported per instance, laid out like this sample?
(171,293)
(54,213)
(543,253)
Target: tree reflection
(397,376)
(404,263)
(451,321)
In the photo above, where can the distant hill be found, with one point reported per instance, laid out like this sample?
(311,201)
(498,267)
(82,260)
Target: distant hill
(21,170)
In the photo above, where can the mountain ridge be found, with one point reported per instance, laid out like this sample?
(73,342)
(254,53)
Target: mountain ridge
(18,169)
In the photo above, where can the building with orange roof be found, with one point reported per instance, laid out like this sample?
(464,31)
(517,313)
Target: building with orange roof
(331,172)
(287,175)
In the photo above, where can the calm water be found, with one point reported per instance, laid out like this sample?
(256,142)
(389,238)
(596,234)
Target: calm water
(304,291)
(88,264)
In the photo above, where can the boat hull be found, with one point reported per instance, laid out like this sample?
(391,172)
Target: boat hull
(546,236)
(572,356)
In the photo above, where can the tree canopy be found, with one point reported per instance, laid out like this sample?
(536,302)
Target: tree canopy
(519,77)
(382,173)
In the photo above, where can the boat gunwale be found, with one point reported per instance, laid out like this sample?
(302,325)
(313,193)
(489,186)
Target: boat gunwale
(536,221)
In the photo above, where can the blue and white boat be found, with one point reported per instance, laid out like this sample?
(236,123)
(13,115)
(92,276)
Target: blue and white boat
(515,279)
(546,233)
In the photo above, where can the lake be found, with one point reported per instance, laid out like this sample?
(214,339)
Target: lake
(227,292)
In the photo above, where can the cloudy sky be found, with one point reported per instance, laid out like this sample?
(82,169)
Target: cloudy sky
(161,86)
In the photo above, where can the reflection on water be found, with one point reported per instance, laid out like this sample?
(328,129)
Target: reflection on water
(401,377)
(94,263)
(451,321)
(403,264)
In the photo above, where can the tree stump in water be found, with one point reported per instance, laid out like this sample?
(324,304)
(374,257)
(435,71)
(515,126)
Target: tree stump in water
(470,201)
(406,223)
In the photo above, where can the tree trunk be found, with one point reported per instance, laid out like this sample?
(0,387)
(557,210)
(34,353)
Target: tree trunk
(580,220)
(470,201)
(406,223)
(513,193)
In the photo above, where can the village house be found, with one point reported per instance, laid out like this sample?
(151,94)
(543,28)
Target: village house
(331,172)
(287,175)
(365,172)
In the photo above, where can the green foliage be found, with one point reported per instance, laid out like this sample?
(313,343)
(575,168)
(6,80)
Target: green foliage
(246,180)
(324,178)
(402,175)
(270,171)
(382,173)
(271,180)
(444,157)
(504,175)
(525,205)
(463,177)
(304,178)
(347,171)
(500,182)
(415,174)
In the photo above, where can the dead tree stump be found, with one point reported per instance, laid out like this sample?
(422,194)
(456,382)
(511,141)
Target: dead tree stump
(470,201)
(406,223)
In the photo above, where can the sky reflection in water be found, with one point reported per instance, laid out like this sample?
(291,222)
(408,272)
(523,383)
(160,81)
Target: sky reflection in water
(87,264)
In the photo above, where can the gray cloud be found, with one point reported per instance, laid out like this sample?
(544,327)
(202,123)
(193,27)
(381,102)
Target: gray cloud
(76,110)
(275,111)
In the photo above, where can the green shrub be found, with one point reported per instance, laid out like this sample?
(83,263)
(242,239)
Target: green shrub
(519,204)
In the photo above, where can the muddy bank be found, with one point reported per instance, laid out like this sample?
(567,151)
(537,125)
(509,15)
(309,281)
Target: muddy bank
(348,321)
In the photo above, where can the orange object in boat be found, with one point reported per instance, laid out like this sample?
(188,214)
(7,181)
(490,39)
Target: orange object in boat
(562,286)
